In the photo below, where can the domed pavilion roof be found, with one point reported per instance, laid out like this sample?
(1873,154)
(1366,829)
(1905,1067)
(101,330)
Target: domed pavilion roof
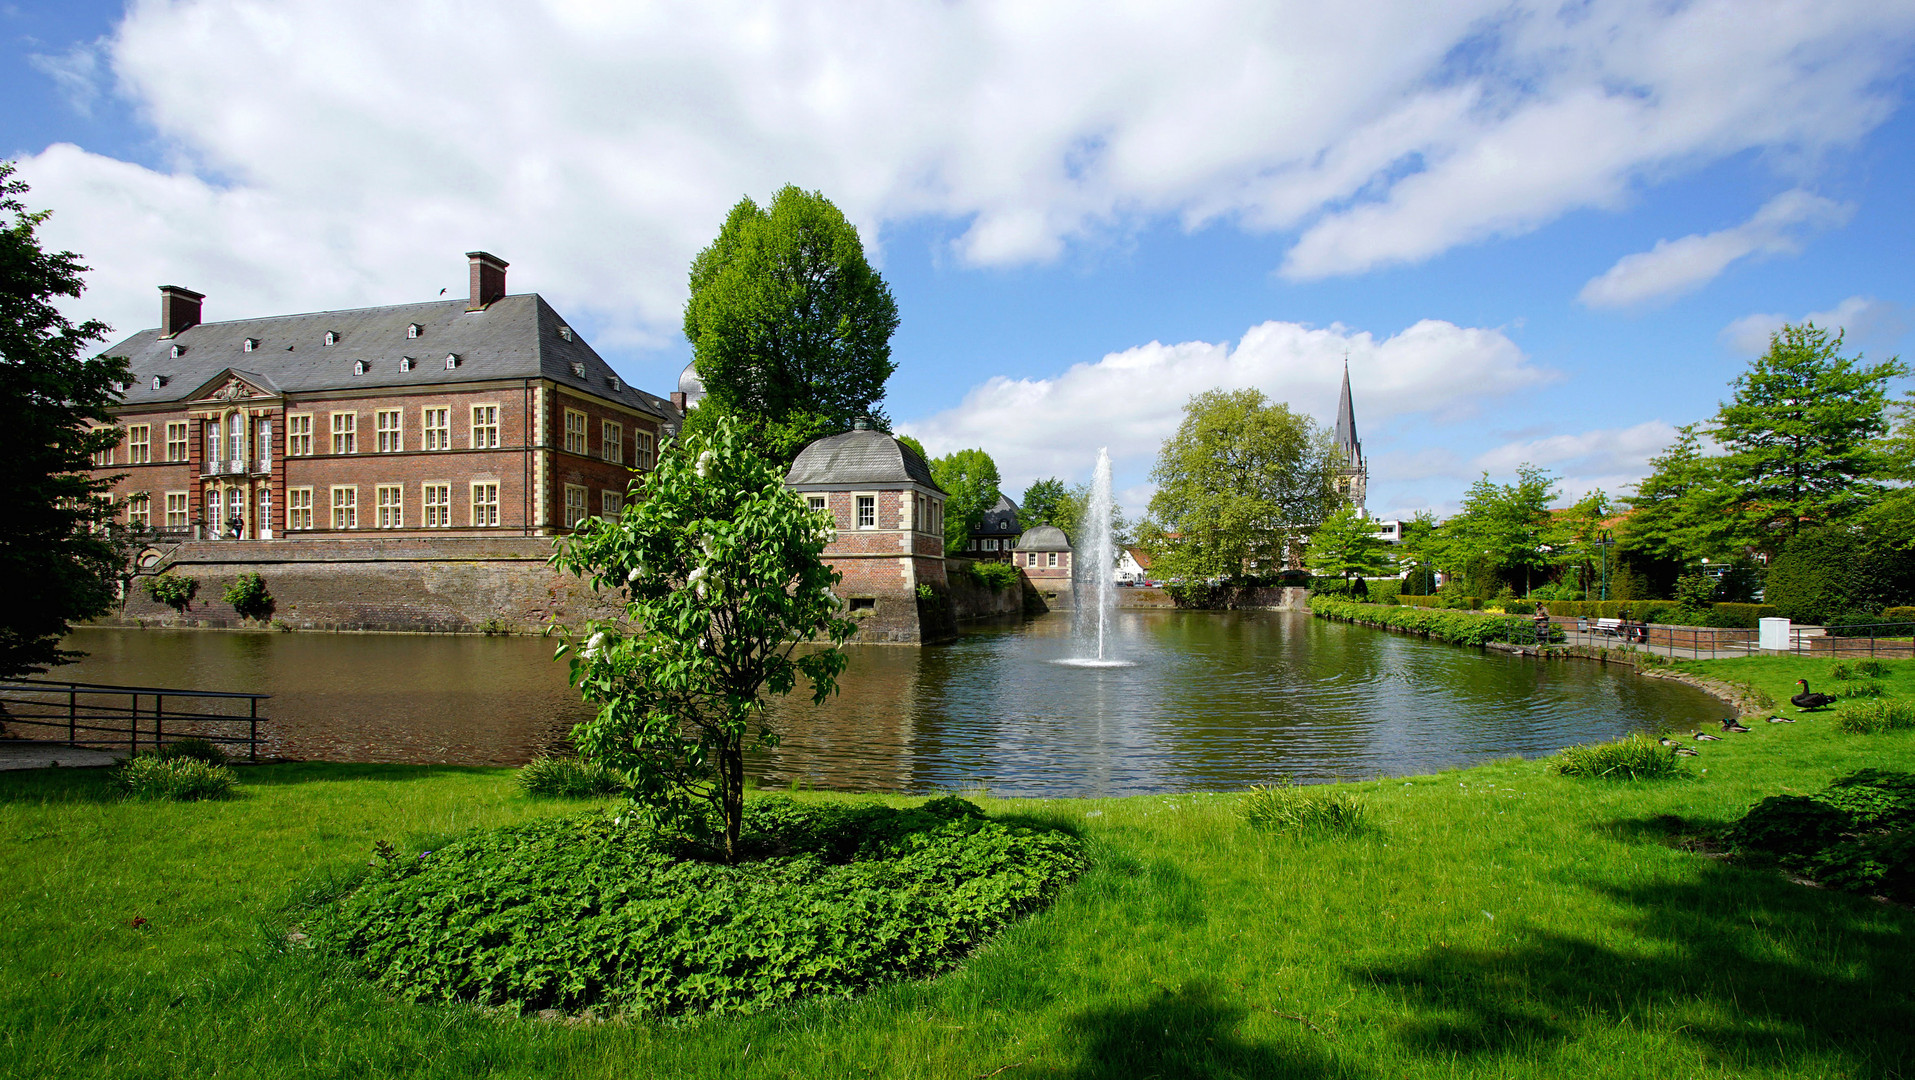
(1043,538)
(860,456)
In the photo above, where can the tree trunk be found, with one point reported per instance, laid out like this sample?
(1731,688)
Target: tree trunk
(732,788)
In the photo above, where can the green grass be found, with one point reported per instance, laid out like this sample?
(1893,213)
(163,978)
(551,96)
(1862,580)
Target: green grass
(1633,757)
(1498,921)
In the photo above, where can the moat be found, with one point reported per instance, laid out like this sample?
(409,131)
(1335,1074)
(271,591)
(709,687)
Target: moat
(1210,701)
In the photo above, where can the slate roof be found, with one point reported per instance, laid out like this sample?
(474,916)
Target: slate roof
(515,337)
(999,520)
(859,456)
(1043,538)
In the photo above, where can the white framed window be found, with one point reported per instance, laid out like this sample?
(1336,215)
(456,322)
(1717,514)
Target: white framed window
(265,511)
(214,516)
(485,503)
(391,438)
(574,431)
(176,440)
(139,444)
(611,443)
(644,454)
(139,511)
(867,511)
(389,503)
(345,506)
(485,427)
(437,422)
(815,502)
(1050,559)
(437,499)
(611,504)
(263,443)
(345,433)
(102,458)
(299,435)
(176,509)
(574,505)
(299,508)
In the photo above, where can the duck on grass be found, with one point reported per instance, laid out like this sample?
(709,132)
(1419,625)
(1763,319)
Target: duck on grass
(598,912)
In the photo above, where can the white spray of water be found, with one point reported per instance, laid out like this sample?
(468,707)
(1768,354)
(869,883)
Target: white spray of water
(1099,550)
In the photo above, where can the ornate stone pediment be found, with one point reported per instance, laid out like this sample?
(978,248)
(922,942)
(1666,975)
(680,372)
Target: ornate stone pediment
(231,387)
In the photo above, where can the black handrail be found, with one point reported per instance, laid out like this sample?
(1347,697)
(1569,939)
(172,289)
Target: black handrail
(75,711)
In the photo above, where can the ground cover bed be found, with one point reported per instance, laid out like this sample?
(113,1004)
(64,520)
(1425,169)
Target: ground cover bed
(1497,921)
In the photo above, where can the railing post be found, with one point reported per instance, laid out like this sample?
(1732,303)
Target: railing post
(72,720)
(133,729)
(159,721)
(252,738)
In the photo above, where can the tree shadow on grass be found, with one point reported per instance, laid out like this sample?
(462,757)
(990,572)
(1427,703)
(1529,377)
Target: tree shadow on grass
(1764,973)
(1184,1034)
(318,772)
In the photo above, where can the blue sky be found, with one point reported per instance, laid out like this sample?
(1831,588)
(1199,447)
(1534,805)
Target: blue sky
(1542,233)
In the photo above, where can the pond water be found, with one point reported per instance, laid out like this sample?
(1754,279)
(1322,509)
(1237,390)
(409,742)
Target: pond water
(1208,701)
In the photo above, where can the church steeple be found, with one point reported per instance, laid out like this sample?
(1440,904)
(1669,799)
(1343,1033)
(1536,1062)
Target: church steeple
(1353,473)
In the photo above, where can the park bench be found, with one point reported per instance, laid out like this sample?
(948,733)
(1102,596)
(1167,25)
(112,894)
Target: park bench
(1612,627)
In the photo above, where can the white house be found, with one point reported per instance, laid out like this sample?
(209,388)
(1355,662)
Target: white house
(1133,565)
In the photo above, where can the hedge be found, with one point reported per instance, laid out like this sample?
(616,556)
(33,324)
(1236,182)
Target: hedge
(1472,603)
(1746,615)
(1461,627)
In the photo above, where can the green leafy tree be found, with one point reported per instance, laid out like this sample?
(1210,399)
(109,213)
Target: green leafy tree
(1800,436)
(720,564)
(916,446)
(1576,540)
(1044,504)
(1416,548)
(1682,509)
(790,327)
(1238,485)
(969,479)
(1346,546)
(57,553)
(1501,532)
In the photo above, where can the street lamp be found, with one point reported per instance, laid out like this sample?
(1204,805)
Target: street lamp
(1605,542)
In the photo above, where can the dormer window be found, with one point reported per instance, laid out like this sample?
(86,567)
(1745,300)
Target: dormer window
(249,344)
(405,363)
(332,337)
(179,351)
(159,381)
(413,330)
(578,371)
(614,382)
(358,367)
(452,360)
(565,333)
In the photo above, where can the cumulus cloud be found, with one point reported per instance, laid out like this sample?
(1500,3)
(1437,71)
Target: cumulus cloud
(597,146)
(1674,267)
(1610,451)
(1867,322)
(1131,401)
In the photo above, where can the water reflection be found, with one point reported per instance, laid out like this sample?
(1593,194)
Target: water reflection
(1210,701)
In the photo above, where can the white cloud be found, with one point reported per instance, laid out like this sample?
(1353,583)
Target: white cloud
(1674,267)
(361,145)
(1608,451)
(1869,324)
(76,72)
(1131,401)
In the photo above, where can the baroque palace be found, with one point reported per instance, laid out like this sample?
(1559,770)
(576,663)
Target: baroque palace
(484,415)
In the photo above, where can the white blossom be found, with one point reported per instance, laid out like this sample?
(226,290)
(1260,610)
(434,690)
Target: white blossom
(703,468)
(595,646)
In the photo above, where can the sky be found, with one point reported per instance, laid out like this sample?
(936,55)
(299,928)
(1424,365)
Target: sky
(1536,233)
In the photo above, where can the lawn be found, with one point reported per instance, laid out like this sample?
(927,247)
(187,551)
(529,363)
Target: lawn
(1497,921)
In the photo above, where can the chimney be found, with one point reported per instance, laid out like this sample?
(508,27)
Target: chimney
(488,279)
(678,400)
(179,309)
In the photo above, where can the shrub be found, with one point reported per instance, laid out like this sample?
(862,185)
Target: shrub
(1636,757)
(1285,807)
(181,779)
(1385,592)
(1840,670)
(1420,581)
(249,597)
(174,590)
(994,575)
(1899,614)
(195,749)
(1747,616)
(1859,690)
(1872,716)
(591,911)
(568,778)
(1826,573)
(1408,600)
(1857,835)
(1873,667)
(1464,628)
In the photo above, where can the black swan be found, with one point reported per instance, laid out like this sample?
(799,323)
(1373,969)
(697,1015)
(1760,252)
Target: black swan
(1732,724)
(1806,700)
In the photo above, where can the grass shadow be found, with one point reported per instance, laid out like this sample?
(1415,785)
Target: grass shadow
(1188,1033)
(57,785)
(1764,973)
(316,772)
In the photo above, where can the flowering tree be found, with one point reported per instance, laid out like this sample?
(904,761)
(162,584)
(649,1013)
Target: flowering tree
(724,582)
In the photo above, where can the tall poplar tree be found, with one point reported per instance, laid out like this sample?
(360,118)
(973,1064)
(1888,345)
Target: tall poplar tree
(790,327)
(57,557)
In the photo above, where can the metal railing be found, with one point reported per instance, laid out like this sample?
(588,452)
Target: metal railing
(1887,640)
(96,714)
